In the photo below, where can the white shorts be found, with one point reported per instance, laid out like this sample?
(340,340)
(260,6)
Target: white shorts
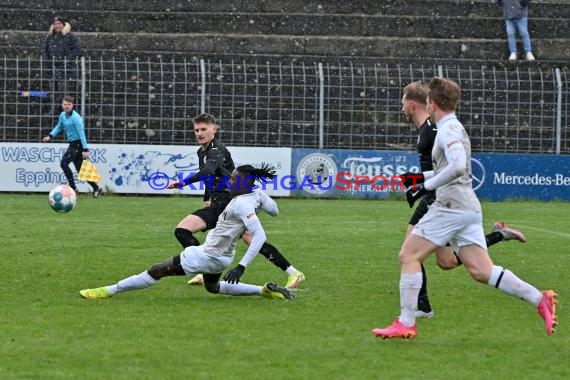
(458,227)
(195,261)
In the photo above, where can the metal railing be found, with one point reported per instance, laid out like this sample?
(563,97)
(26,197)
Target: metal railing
(322,105)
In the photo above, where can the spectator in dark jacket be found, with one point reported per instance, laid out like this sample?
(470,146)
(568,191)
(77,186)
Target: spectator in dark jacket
(515,13)
(60,51)
(61,46)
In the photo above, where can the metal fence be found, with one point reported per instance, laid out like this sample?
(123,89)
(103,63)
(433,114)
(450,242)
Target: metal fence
(508,109)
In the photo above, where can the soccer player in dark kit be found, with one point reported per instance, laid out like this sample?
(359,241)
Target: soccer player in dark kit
(215,167)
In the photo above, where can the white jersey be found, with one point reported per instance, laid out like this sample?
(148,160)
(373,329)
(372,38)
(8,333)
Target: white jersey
(457,194)
(232,223)
(266,203)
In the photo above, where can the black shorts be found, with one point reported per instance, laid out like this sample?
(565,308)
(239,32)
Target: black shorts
(422,208)
(211,214)
(74,153)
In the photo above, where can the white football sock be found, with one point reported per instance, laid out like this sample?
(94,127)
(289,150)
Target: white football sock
(509,283)
(410,285)
(291,270)
(239,289)
(138,281)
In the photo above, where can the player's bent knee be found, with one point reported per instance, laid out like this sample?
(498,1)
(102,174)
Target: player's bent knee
(157,271)
(247,237)
(192,223)
(478,275)
(212,282)
(212,288)
(446,264)
(170,267)
(407,257)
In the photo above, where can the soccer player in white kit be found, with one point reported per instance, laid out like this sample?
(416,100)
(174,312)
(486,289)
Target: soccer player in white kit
(454,217)
(218,251)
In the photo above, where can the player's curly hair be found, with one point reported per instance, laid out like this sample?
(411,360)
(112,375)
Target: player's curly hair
(263,173)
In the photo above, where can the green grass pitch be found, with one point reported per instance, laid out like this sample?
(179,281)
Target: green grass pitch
(348,250)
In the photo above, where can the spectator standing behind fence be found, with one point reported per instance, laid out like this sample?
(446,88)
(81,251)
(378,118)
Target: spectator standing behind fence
(60,51)
(515,13)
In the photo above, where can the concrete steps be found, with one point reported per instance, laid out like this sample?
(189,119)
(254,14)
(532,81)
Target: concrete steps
(342,25)
(393,29)
(459,8)
(132,45)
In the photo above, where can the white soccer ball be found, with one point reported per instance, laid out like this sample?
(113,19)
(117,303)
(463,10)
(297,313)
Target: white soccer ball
(62,198)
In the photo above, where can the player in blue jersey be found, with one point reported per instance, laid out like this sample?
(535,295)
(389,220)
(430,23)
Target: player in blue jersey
(72,123)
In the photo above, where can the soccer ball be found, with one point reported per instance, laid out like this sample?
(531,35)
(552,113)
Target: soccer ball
(62,198)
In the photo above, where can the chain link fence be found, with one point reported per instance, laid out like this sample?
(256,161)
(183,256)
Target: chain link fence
(519,109)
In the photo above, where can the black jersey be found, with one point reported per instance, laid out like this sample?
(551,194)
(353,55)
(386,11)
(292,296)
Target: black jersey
(216,166)
(426,138)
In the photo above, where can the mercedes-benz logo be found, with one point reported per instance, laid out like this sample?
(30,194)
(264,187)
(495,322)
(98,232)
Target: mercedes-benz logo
(477,173)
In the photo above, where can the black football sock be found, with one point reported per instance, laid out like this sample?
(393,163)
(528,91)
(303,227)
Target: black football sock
(185,237)
(272,254)
(493,238)
(423,300)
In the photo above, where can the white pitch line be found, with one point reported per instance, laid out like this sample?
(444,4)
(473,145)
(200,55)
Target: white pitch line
(566,235)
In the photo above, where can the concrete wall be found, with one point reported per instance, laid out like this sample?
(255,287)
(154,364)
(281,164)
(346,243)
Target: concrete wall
(392,29)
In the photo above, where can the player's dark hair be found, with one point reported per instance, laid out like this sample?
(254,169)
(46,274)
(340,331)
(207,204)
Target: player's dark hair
(417,92)
(444,92)
(263,173)
(205,118)
(67,99)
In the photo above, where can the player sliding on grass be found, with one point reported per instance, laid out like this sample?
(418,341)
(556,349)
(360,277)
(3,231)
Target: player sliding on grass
(218,251)
(414,104)
(454,217)
(216,165)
